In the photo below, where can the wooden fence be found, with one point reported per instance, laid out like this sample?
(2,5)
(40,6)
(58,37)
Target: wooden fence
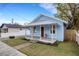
(70,35)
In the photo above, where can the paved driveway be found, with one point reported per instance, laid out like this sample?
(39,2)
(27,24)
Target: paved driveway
(6,50)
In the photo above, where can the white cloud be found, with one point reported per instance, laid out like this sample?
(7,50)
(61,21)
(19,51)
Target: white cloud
(49,6)
(9,21)
(4,21)
(21,22)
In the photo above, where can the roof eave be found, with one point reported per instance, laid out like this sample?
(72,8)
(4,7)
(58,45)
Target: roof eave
(39,24)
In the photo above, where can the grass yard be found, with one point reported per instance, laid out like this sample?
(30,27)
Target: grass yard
(63,49)
(15,42)
(38,49)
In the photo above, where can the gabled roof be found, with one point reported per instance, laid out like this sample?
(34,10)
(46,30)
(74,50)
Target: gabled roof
(12,25)
(50,17)
(35,22)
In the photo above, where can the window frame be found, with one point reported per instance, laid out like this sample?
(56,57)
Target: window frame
(52,29)
(34,29)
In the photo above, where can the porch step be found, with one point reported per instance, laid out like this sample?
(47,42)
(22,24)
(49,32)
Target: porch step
(43,41)
(33,41)
(47,41)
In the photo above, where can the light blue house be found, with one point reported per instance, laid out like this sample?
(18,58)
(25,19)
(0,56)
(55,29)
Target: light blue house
(46,29)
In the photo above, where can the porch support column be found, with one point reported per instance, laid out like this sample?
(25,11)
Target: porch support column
(52,31)
(32,32)
(40,32)
(51,28)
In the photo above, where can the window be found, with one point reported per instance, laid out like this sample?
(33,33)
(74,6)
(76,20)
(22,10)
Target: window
(34,29)
(6,30)
(52,30)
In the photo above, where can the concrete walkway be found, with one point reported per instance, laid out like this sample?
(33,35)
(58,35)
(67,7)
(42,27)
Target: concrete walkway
(6,50)
(22,45)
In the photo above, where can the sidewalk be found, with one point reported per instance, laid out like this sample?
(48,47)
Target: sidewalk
(6,50)
(22,45)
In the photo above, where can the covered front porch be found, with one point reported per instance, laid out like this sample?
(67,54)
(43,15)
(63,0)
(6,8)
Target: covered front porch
(46,28)
(43,33)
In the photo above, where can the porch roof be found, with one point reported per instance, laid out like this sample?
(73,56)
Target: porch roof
(41,23)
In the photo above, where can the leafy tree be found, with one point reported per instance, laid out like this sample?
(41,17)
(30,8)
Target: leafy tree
(70,13)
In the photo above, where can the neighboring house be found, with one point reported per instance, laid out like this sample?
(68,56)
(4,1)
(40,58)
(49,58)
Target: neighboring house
(11,28)
(46,29)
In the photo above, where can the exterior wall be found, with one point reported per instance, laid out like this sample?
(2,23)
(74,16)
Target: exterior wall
(59,34)
(37,31)
(13,29)
(5,30)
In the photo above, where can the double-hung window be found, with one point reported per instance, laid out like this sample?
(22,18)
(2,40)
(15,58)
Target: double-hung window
(52,29)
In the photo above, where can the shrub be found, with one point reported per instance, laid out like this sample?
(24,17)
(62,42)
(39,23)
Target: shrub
(11,37)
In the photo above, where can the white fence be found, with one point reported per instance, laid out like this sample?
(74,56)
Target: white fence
(77,37)
(20,33)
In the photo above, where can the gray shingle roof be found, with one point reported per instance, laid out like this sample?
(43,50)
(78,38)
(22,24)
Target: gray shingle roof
(12,25)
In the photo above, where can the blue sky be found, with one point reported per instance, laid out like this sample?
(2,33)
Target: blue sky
(24,12)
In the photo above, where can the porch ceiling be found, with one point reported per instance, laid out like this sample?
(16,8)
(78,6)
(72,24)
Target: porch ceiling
(41,23)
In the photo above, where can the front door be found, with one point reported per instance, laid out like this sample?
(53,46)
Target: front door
(42,32)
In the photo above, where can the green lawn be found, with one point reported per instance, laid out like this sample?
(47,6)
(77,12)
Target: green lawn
(38,49)
(63,49)
(15,42)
